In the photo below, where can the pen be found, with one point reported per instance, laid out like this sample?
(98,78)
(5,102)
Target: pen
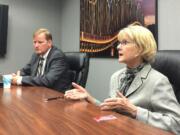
(53,98)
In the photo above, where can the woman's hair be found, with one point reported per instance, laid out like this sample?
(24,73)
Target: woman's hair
(135,23)
(143,38)
(45,31)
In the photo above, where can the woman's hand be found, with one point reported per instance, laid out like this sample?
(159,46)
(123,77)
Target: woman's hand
(77,93)
(121,104)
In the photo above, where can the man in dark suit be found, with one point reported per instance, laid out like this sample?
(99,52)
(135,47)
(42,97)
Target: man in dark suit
(47,67)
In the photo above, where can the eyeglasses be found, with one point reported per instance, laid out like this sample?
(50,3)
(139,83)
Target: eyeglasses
(125,42)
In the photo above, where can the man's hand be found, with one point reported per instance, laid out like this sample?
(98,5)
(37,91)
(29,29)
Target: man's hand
(15,77)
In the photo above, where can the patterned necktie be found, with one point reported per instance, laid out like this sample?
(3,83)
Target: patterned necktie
(40,66)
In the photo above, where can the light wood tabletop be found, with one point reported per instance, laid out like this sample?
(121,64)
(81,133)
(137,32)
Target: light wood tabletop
(25,111)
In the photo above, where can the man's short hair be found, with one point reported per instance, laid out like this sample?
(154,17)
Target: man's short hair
(45,31)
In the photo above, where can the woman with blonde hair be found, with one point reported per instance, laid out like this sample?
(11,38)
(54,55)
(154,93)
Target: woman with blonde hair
(138,90)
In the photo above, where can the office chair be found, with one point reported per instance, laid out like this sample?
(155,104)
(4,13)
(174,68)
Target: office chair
(168,63)
(79,67)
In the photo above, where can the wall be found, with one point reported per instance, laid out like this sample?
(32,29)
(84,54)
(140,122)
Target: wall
(62,17)
(168,21)
(25,16)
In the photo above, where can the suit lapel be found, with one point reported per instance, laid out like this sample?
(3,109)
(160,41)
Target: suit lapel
(35,66)
(48,57)
(138,80)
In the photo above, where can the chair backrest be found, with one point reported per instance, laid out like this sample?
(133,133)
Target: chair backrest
(79,66)
(168,63)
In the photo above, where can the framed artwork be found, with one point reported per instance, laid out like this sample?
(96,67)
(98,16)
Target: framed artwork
(101,20)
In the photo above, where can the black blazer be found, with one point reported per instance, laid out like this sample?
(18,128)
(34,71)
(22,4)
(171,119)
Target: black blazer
(55,73)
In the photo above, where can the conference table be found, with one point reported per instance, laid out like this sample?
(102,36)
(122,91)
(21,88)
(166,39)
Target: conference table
(26,111)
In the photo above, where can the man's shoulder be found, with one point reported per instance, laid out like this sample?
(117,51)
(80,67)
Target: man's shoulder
(34,56)
(56,49)
(56,52)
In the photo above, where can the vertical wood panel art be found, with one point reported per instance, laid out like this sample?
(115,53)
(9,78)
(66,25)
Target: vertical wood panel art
(101,20)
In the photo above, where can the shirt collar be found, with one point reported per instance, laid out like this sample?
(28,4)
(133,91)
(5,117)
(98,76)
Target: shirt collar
(46,54)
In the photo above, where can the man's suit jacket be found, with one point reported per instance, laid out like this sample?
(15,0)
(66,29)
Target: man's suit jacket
(55,73)
(153,94)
